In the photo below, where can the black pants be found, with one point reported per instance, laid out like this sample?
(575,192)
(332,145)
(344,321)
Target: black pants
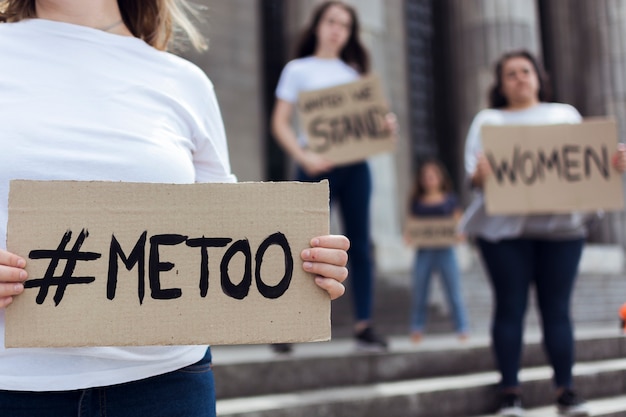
(551,265)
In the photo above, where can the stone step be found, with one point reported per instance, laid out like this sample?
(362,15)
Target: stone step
(451,396)
(239,369)
(598,294)
(605,407)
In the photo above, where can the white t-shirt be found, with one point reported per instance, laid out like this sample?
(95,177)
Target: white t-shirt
(475,220)
(82,104)
(312,73)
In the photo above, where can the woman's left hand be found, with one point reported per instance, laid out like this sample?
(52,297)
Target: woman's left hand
(619,158)
(327,259)
(391,123)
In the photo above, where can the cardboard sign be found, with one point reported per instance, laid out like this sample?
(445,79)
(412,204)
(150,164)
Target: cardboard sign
(431,232)
(346,123)
(113,264)
(552,168)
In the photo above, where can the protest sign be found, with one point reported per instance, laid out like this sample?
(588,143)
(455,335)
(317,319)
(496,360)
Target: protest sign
(346,123)
(114,264)
(431,232)
(552,168)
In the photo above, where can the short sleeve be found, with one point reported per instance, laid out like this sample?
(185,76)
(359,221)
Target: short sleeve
(571,114)
(288,84)
(473,144)
(210,158)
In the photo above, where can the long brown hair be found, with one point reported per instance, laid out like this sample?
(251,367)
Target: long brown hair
(446,183)
(157,22)
(497,100)
(353,52)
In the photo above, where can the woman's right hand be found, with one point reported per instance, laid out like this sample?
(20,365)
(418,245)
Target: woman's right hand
(483,171)
(12,277)
(311,163)
(314,164)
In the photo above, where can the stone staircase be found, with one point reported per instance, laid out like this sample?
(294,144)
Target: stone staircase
(440,377)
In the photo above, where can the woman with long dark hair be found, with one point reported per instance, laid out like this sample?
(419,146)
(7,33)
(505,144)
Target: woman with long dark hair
(330,53)
(90,94)
(520,251)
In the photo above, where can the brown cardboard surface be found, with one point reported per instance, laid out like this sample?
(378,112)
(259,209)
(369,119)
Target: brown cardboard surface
(165,223)
(552,168)
(428,232)
(346,123)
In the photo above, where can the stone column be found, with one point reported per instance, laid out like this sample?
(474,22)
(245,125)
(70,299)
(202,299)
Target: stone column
(480,31)
(233,64)
(585,44)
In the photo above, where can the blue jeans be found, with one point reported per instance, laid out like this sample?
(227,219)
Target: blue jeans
(428,261)
(187,392)
(513,266)
(351,188)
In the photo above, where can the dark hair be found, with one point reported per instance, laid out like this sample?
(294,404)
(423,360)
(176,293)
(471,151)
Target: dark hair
(446,183)
(353,53)
(497,99)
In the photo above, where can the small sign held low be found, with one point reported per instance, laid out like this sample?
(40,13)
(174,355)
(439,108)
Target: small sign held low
(431,232)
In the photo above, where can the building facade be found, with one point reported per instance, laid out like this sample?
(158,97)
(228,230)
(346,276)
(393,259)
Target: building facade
(436,60)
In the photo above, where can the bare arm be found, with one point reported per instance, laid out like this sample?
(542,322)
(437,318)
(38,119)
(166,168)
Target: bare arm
(311,163)
(482,172)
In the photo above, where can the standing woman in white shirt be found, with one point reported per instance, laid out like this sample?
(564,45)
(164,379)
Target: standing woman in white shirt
(328,54)
(520,251)
(89,93)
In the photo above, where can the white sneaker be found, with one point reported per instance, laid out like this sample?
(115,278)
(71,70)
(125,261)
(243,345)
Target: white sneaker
(569,404)
(511,405)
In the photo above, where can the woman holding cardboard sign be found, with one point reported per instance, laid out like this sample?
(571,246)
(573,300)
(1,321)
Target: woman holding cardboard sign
(330,54)
(89,93)
(519,251)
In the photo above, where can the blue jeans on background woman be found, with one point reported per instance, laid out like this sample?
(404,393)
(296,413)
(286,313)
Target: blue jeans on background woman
(351,187)
(428,261)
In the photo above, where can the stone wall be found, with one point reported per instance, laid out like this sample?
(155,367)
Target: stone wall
(233,64)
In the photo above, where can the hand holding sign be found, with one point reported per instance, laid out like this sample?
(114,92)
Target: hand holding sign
(12,277)
(483,171)
(391,123)
(619,158)
(327,259)
(314,164)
